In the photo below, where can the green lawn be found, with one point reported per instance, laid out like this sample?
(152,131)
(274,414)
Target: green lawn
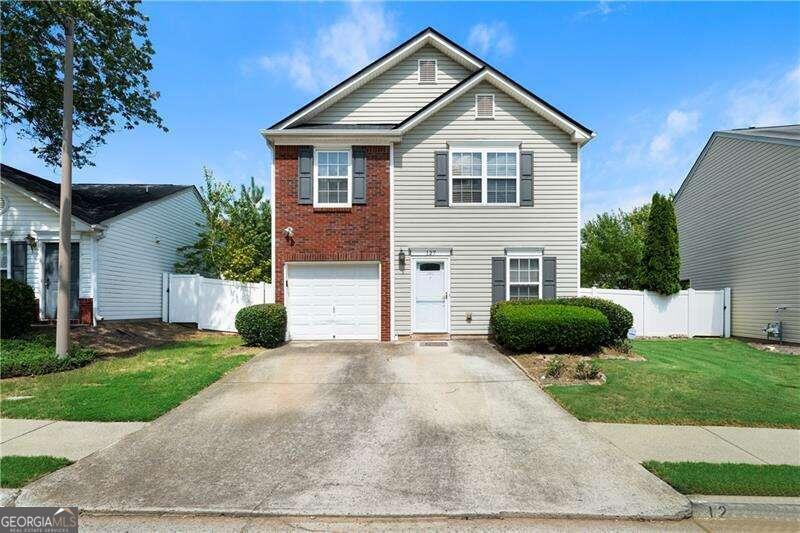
(729,478)
(37,355)
(17,471)
(721,382)
(136,388)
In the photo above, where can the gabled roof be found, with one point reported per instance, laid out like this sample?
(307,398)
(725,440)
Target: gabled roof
(481,70)
(788,134)
(91,202)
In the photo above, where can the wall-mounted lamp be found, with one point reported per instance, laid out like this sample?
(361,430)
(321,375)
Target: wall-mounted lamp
(31,240)
(402,259)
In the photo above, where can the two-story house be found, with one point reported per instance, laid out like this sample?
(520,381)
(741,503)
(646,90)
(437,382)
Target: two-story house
(417,192)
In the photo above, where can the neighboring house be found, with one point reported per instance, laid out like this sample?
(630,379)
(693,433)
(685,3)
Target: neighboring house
(123,238)
(738,216)
(418,191)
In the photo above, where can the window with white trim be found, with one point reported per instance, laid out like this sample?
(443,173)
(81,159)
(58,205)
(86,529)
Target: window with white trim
(524,277)
(484,106)
(332,173)
(426,70)
(5,260)
(484,176)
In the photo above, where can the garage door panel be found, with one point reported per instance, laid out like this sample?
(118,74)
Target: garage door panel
(333,301)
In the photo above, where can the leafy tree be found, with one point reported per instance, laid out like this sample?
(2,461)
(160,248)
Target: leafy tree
(112,55)
(235,242)
(611,249)
(661,258)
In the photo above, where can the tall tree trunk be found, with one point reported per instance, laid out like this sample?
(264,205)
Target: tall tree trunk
(65,213)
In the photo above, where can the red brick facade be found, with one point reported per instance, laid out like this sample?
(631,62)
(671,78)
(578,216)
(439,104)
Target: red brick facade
(357,233)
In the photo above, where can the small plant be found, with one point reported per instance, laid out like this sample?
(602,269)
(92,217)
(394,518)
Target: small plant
(17,308)
(587,370)
(622,346)
(262,325)
(36,356)
(555,367)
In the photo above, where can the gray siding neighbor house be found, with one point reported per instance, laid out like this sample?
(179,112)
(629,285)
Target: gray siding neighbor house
(738,216)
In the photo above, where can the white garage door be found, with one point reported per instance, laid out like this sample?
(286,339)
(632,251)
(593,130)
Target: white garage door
(333,301)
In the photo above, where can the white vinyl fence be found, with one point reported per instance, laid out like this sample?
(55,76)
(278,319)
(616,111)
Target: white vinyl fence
(211,303)
(687,313)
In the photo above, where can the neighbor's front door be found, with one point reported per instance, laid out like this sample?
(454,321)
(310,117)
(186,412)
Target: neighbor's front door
(51,279)
(430,297)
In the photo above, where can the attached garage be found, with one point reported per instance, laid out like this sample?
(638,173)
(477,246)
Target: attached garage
(328,301)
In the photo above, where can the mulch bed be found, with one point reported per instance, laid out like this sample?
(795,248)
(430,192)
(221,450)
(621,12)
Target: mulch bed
(535,366)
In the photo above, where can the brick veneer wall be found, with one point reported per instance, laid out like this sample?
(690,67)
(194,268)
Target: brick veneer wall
(357,233)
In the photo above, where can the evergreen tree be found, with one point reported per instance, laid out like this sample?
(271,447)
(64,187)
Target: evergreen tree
(661,257)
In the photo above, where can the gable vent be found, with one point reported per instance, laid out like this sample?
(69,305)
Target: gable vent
(427,70)
(484,106)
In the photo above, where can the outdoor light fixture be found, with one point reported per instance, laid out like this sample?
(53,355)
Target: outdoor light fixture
(31,240)
(402,259)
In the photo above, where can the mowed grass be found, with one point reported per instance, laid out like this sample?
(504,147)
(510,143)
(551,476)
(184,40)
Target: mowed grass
(136,388)
(17,471)
(729,478)
(720,382)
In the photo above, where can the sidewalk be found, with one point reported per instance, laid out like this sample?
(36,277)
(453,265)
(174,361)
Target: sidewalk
(710,444)
(73,440)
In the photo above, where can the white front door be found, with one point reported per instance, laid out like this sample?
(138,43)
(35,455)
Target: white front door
(333,301)
(430,296)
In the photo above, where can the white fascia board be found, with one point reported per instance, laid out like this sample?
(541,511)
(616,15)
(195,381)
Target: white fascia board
(379,68)
(330,132)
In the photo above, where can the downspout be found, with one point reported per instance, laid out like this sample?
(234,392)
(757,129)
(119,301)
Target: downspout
(98,232)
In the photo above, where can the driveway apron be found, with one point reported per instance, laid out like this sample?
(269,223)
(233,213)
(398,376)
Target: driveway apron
(366,429)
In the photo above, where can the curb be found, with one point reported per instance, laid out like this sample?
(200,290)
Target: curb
(8,497)
(711,506)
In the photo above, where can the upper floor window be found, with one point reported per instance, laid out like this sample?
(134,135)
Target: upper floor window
(488,176)
(484,106)
(332,173)
(426,69)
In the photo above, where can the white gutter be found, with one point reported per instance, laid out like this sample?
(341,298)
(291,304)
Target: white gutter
(326,132)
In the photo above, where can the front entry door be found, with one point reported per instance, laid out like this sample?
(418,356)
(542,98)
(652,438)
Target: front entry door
(430,297)
(51,279)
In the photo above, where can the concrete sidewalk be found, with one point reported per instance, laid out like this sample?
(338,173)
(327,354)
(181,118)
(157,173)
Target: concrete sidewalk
(73,440)
(710,444)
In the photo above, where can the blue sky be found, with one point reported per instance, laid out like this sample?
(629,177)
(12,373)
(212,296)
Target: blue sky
(652,79)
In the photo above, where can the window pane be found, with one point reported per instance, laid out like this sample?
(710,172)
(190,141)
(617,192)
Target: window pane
(4,255)
(332,191)
(466,164)
(332,164)
(501,191)
(466,190)
(501,164)
(524,292)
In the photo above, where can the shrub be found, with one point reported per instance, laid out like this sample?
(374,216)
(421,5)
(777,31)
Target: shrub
(661,260)
(547,327)
(620,320)
(623,346)
(555,367)
(587,370)
(17,308)
(262,325)
(36,356)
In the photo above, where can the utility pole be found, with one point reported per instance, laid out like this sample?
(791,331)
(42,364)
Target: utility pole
(65,213)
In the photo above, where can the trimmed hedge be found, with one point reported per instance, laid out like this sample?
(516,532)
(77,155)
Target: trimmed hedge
(17,308)
(527,326)
(262,325)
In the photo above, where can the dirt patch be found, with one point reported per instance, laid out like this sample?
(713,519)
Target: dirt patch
(127,337)
(536,366)
(789,349)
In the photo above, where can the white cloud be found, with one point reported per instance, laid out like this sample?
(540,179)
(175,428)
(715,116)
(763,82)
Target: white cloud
(360,35)
(677,126)
(603,9)
(766,102)
(494,38)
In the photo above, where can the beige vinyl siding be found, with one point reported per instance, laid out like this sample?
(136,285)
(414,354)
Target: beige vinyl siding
(739,227)
(395,94)
(137,248)
(476,234)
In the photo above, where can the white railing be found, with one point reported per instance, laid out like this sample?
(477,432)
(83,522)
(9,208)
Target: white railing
(687,313)
(211,303)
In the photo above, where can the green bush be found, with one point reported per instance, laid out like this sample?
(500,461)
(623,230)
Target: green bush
(17,308)
(620,320)
(555,367)
(661,261)
(262,325)
(528,326)
(587,370)
(36,356)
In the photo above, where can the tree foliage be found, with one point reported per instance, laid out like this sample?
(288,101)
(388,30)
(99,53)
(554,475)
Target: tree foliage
(611,249)
(111,89)
(235,242)
(661,261)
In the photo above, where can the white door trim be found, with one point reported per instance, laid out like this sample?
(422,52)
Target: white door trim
(430,259)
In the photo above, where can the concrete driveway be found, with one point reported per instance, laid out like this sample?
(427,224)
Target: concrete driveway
(366,429)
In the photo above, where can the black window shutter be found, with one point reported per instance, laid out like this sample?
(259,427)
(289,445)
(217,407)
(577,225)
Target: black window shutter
(549,278)
(441,189)
(19,261)
(498,279)
(526,178)
(305,175)
(359,175)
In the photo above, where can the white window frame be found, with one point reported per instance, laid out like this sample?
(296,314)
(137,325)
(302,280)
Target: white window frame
(435,71)
(476,106)
(315,192)
(7,242)
(484,150)
(509,283)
